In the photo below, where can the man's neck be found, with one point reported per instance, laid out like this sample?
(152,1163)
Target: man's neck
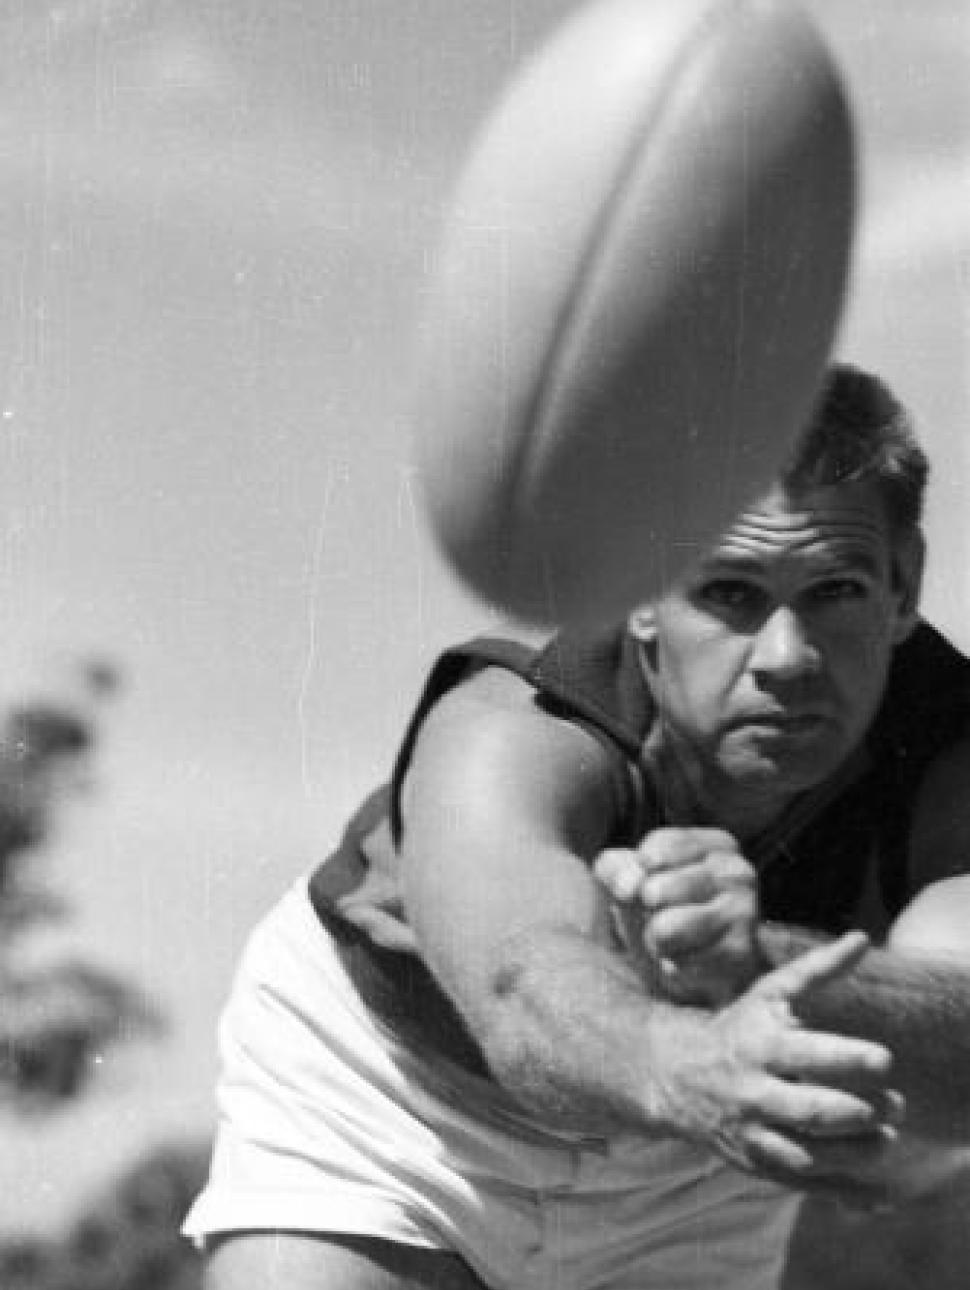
(692,795)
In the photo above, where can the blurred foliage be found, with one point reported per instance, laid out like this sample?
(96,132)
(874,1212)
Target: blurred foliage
(54,1021)
(127,1240)
(57,1016)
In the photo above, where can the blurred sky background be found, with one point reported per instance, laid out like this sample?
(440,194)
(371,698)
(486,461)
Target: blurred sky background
(215,226)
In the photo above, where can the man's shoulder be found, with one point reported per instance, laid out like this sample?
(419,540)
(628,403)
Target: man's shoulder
(592,677)
(500,712)
(486,703)
(480,681)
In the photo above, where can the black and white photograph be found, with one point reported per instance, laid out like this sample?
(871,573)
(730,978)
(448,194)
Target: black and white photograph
(485,680)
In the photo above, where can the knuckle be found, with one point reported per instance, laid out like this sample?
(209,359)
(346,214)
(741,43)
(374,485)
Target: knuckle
(663,839)
(654,892)
(673,846)
(608,861)
(729,868)
(729,872)
(727,904)
(733,916)
(739,870)
(650,843)
(751,1097)
(717,839)
(656,853)
(665,928)
(813,1117)
(619,872)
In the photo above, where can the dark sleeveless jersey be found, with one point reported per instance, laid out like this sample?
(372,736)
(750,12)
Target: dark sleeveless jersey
(812,869)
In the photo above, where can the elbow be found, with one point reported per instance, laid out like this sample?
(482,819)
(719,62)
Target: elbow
(505,1022)
(527,1031)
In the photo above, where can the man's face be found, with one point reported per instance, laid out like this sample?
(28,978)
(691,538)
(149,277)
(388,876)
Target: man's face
(770,661)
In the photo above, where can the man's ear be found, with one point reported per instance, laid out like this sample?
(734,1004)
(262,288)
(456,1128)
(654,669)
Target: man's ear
(909,556)
(642,624)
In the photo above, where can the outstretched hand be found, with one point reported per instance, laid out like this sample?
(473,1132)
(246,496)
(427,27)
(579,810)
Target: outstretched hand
(811,1110)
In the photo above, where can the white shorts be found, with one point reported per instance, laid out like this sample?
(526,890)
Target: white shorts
(328,1124)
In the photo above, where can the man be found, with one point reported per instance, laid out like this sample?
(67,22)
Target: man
(565,1008)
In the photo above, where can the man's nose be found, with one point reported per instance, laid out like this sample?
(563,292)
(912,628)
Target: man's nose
(782,649)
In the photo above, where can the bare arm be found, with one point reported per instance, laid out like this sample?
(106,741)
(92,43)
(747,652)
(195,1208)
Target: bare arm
(503,807)
(913,995)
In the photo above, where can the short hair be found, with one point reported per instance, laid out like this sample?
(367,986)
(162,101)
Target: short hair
(860,432)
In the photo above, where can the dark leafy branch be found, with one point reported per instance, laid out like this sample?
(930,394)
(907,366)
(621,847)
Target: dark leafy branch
(128,1239)
(56,1018)
(56,1021)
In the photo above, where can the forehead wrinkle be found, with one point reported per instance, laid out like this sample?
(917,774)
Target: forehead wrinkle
(839,528)
(849,518)
(831,524)
(839,538)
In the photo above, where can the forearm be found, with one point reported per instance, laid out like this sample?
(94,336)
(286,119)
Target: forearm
(572,1035)
(918,1006)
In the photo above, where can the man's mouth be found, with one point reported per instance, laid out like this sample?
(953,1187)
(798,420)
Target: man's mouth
(792,724)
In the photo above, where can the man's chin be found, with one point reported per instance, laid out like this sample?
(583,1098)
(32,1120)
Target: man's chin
(780,768)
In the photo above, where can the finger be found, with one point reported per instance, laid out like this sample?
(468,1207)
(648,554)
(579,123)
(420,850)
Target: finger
(797,1164)
(859,1154)
(691,929)
(844,1060)
(698,982)
(888,1104)
(816,967)
(775,1155)
(691,885)
(620,872)
(816,1111)
(717,872)
(665,849)
(888,1108)
(894,1107)
(857,1127)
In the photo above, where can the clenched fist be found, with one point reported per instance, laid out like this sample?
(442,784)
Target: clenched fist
(687,902)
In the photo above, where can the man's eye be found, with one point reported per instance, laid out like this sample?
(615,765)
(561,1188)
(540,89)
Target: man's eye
(834,590)
(731,593)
